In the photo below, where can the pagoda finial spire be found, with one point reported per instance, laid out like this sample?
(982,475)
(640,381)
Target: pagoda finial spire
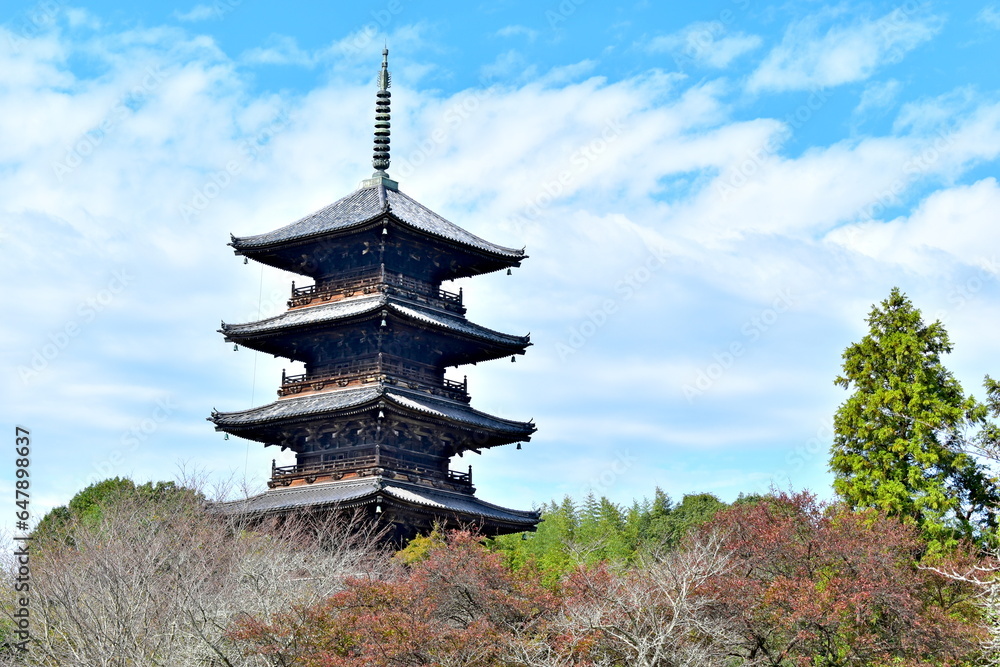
(380,159)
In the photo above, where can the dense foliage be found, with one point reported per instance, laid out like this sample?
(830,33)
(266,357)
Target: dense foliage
(897,444)
(135,577)
(87,506)
(599,530)
(781,580)
(822,585)
(144,575)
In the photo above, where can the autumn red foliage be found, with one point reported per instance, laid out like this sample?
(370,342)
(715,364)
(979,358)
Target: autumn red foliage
(820,585)
(783,581)
(459,605)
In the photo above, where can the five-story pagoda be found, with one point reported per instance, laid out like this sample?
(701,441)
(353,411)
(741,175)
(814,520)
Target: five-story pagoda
(373,421)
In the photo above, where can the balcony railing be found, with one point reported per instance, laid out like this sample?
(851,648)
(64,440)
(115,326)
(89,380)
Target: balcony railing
(369,281)
(365,465)
(384,369)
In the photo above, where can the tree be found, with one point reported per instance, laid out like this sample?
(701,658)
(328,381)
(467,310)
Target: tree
(693,511)
(985,442)
(811,584)
(456,605)
(87,506)
(144,575)
(461,605)
(657,614)
(896,446)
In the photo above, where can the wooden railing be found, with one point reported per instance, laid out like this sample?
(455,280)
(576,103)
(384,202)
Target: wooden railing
(368,281)
(365,465)
(392,371)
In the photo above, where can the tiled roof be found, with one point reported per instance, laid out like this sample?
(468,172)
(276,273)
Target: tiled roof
(361,491)
(347,399)
(346,308)
(363,206)
(312,495)
(311,404)
(456,502)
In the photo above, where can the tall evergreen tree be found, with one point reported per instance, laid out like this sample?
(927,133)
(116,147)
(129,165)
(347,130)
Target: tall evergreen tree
(896,437)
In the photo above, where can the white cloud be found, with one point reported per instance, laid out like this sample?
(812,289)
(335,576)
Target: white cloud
(346,53)
(962,222)
(815,54)
(508,65)
(515,30)
(197,13)
(280,50)
(704,43)
(990,16)
(81,18)
(878,95)
(590,174)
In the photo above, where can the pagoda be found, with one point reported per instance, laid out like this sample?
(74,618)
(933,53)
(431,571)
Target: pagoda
(373,421)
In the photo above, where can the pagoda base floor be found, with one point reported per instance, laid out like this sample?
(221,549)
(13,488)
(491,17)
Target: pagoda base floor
(404,508)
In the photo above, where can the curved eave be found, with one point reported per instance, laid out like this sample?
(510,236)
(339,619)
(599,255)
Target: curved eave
(508,257)
(360,210)
(348,494)
(345,312)
(350,402)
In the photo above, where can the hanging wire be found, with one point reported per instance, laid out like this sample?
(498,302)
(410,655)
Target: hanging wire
(253,382)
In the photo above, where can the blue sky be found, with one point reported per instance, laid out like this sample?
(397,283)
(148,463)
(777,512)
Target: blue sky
(712,198)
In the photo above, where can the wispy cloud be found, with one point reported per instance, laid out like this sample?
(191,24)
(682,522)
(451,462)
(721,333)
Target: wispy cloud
(878,95)
(825,50)
(280,50)
(705,43)
(515,30)
(990,16)
(197,13)
(589,169)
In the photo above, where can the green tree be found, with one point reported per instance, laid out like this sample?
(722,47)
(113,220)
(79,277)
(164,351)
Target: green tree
(896,444)
(88,504)
(693,510)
